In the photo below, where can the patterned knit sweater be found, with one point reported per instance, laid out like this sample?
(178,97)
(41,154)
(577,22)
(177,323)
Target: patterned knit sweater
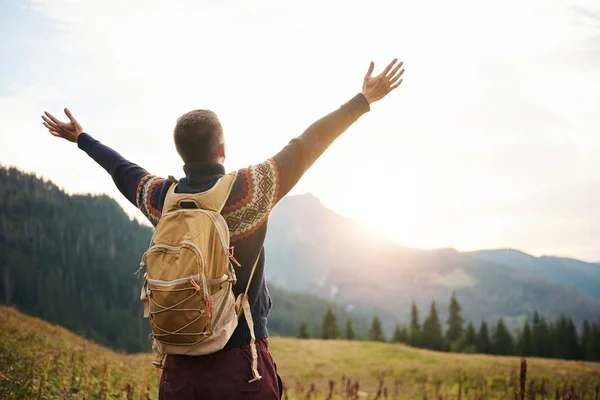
(255,192)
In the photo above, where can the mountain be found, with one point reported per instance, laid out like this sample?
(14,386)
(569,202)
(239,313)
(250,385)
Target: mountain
(310,248)
(71,260)
(578,275)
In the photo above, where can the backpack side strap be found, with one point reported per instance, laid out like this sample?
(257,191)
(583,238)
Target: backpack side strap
(242,305)
(248,315)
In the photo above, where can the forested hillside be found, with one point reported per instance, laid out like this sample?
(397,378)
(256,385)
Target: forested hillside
(71,260)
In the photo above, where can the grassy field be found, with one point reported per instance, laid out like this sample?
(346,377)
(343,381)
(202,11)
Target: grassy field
(42,361)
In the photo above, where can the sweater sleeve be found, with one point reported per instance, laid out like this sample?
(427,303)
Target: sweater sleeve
(259,187)
(301,152)
(142,189)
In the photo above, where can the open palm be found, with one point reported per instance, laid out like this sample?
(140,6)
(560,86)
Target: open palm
(66,130)
(377,87)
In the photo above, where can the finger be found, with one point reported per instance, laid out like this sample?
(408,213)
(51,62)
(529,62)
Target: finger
(395,78)
(51,127)
(49,122)
(387,69)
(396,85)
(69,115)
(395,70)
(370,71)
(54,133)
(52,117)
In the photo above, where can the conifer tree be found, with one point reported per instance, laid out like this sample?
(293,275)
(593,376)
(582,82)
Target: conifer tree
(587,342)
(502,341)
(349,331)
(376,333)
(455,320)
(467,343)
(303,334)
(542,337)
(414,333)
(470,337)
(525,344)
(330,328)
(400,334)
(484,344)
(432,330)
(396,335)
(595,345)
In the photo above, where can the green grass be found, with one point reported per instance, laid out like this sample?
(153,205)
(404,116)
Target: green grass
(40,360)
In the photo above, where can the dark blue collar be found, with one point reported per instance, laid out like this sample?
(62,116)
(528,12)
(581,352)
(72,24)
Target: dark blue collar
(200,172)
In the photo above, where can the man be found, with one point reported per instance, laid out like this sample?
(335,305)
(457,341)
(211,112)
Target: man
(199,140)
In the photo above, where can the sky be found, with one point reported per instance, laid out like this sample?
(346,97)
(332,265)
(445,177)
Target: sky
(491,141)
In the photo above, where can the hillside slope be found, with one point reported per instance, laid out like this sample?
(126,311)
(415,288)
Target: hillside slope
(40,360)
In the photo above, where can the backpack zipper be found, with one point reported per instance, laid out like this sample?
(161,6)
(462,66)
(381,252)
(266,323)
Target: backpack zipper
(174,282)
(213,219)
(227,250)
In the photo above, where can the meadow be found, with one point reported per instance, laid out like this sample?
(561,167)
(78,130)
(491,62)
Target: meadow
(39,360)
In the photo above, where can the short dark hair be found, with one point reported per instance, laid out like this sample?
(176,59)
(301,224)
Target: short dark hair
(197,136)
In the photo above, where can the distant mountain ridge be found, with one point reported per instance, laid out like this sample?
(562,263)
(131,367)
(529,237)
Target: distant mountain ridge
(311,248)
(579,275)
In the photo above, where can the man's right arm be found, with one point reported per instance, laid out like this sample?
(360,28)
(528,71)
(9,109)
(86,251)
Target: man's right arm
(142,189)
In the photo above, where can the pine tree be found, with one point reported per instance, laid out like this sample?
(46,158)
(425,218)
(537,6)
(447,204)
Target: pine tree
(502,341)
(470,337)
(303,334)
(376,333)
(573,340)
(404,334)
(414,333)
(484,344)
(587,342)
(400,334)
(525,344)
(396,335)
(595,346)
(541,337)
(349,332)
(330,328)
(565,340)
(467,343)
(455,320)
(432,330)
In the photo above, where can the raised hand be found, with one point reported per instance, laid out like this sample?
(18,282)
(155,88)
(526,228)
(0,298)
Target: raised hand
(376,88)
(66,130)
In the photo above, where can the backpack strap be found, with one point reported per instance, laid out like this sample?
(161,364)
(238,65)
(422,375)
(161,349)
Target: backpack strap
(213,199)
(243,305)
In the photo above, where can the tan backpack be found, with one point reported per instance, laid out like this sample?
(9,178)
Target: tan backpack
(187,291)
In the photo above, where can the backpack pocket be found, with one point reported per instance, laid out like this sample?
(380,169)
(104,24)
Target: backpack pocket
(177,310)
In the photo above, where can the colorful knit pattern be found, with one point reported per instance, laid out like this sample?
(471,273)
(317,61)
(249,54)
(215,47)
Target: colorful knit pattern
(145,196)
(253,196)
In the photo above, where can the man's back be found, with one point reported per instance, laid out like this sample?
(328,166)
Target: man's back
(255,191)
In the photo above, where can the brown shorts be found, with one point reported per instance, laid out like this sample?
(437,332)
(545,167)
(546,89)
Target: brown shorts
(223,376)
